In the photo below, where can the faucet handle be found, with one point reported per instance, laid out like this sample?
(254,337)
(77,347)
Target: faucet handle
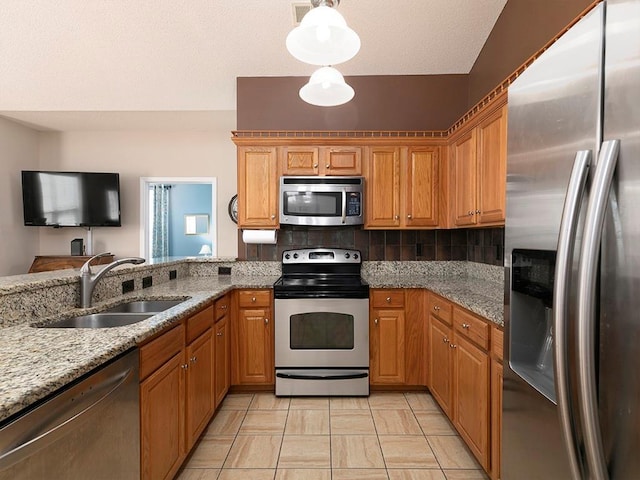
(86,268)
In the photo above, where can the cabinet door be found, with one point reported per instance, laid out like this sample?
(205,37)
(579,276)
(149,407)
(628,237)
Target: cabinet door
(341,160)
(387,353)
(421,187)
(492,167)
(199,386)
(471,398)
(463,156)
(383,187)
(300,161)
(496,417)
(255,346)
(162,420)
(441,364)
(257,187)
(222,352)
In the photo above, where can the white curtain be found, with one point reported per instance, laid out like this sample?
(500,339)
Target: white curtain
(160,220)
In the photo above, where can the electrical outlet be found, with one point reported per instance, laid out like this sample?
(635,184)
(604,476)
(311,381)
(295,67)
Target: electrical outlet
(173,274)
(147,282)
(127,286)
(224,270)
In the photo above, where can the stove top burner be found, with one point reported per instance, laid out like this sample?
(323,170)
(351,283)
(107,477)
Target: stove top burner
(321,273)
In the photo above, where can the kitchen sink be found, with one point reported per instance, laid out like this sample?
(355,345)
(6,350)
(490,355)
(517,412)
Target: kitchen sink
(100,320)
(144,306)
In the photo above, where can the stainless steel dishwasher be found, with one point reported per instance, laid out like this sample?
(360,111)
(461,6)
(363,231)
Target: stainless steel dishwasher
(90,429)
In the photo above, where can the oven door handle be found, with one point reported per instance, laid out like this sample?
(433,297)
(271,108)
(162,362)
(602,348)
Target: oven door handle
(344,205)
(307,376)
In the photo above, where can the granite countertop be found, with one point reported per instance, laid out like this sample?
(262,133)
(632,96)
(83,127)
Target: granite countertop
(482,297)
(38,361)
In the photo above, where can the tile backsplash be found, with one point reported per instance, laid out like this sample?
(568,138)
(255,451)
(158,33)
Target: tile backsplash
(482,245)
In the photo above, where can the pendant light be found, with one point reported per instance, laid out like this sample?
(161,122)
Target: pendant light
(323,37)
(326,88)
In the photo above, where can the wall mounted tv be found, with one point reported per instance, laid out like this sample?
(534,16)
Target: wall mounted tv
(71,199)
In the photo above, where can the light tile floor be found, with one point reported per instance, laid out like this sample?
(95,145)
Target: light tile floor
(387,436)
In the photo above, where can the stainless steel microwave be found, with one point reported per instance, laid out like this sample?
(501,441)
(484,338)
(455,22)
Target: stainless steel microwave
(321,201)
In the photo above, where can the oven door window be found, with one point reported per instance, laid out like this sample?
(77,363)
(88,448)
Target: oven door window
(321,331)
(312,204)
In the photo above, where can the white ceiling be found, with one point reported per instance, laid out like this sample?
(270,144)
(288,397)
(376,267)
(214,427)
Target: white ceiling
(62,58)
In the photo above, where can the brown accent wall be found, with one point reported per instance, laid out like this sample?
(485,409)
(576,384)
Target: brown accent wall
(523,27)
(483,245)
(400,102)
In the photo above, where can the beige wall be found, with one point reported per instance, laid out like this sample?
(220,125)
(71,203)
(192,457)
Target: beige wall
(18,151)
(136,154)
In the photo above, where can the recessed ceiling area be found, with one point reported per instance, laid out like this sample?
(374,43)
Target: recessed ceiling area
(65,63)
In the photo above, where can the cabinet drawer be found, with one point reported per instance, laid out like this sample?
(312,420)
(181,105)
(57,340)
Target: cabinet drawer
(198,323)
(387,298)
(472,327)
(221,307)
(440,308)
(254,298)
(155,353)
(497,342)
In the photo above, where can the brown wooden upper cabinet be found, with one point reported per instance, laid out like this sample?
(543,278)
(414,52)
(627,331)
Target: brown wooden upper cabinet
(326,160)
(402,187)
(478,170)
(257,187)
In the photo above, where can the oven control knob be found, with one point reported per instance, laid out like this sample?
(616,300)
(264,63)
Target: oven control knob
(355,256)
(346,255)
(295,255)
(287,256)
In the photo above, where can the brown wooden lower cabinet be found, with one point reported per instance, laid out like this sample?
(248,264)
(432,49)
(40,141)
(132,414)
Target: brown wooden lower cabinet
(463,376)
(253,349)
(222,349)
(176,393)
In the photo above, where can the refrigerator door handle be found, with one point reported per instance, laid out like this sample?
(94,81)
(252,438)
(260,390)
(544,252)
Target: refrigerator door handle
(587,278)
(564,258)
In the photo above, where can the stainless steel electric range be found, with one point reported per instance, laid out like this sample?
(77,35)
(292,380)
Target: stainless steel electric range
(321,324)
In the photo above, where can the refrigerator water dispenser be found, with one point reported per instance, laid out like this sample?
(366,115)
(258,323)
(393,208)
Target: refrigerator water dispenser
(531,336)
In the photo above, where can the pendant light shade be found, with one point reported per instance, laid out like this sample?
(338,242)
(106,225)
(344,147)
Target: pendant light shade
(323,38)
(326,88)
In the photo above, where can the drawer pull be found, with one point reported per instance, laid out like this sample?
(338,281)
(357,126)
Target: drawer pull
(445,340)
(436,308)
(453,345)
(466,325)
(193,359)
(219,334)
(223,307)
(253,299)
(388,299)
(184,366)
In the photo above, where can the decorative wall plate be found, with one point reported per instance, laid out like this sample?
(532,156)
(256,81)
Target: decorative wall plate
(233,208)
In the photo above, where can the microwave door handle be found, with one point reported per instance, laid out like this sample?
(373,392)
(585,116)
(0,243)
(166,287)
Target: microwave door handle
(344,205)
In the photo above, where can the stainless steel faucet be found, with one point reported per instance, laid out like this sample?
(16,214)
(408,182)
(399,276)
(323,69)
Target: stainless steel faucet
(88,280)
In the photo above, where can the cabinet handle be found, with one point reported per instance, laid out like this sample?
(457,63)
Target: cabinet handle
(388,299)
(184,366)
(452,345)
(193,359)
(465,325)
(266,321)
(445,340)
(273,217)
(375,321)
(470,213)
(409,216)
(219,334)
(223,307)
(315,165)
(253,299)
(327,166)
(436,308)
(397,217)
(478,211)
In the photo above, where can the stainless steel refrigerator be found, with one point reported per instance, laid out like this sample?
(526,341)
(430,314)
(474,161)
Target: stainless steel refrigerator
(571,397)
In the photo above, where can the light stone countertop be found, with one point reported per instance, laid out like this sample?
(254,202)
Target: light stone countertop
(35,362)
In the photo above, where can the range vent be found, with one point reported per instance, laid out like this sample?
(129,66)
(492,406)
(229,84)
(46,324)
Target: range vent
(299,11)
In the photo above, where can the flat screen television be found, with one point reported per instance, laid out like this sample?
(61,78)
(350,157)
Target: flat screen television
(71,199)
